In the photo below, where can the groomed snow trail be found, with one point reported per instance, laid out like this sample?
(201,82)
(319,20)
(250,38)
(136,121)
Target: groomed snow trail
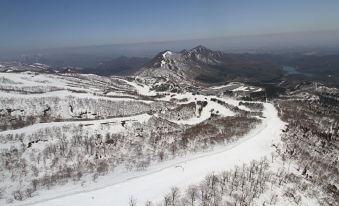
(155,184)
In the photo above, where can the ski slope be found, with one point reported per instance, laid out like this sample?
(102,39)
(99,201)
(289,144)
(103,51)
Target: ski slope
(157,181)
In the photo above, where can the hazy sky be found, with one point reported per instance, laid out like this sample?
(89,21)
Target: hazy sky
(27,24)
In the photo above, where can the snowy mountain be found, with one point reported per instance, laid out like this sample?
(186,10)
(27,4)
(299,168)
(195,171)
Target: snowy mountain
(181,66)
(208,66)
(203,55)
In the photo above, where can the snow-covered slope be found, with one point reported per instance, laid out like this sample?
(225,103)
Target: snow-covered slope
(63,127)
(154,183)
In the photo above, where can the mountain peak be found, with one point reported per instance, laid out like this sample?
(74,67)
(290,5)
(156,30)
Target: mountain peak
(166,53)
(200,48)
(202,54)
(182,65)
(161,58)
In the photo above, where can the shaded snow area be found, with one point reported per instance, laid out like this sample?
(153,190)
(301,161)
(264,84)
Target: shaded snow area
(158,179)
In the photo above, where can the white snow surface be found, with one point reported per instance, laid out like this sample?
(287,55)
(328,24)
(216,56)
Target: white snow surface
(166,53)
(66,93)
(156,181)
(142,89)
(32,128)
(211,107)
(241,88)
(237,87)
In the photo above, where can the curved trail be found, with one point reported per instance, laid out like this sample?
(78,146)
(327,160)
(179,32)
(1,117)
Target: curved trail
(154,183)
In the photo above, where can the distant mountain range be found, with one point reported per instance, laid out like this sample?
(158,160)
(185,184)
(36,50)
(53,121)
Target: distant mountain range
(119,66)
(204,65)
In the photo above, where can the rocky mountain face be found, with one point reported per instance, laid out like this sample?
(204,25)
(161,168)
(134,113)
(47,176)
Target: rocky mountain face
(203,55)
(205,65)
(181,66)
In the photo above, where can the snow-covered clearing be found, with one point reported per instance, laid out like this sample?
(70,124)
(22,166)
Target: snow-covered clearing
(33,79)
(211,108)
(157,180)
(120,94)
(66,93)
(237,86)
(141,89)
(81,83)
(91,126)
(32,128)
